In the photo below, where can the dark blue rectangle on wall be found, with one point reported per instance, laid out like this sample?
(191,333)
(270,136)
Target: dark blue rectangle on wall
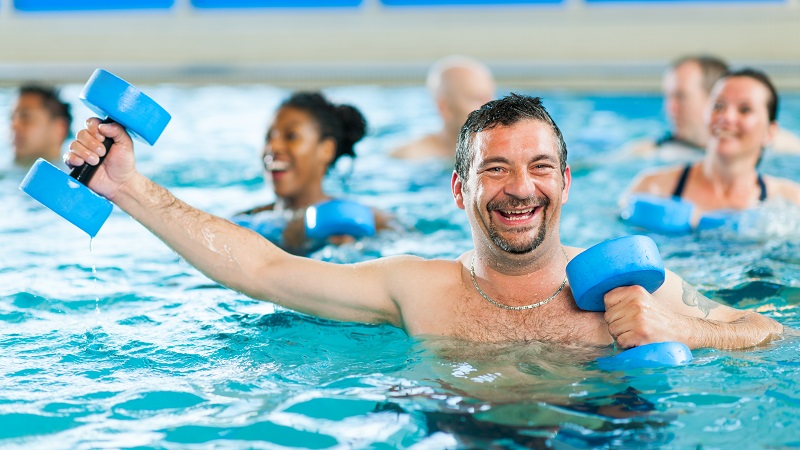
(467,2)
(220,4)
(89,5)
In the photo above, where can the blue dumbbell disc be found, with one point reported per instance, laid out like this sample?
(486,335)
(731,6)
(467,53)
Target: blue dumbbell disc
(66,196)
(720,218)
(110,96)
(625,261)
(339,217)
(659,214)
(657,354)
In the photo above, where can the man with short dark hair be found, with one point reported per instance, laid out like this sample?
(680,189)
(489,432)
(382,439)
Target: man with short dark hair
(40,123)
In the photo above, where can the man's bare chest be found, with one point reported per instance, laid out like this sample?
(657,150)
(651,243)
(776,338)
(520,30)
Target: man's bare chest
(557,321)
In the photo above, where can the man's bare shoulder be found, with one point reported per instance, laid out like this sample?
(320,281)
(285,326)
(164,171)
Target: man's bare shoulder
(428,146)
(414,269)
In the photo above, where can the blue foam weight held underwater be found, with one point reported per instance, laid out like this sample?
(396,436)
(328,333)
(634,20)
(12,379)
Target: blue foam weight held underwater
(660,214)
(656,354)
(720,218)
(269,224)
(339,217)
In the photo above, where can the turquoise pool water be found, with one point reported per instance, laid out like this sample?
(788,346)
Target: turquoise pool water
(121,344)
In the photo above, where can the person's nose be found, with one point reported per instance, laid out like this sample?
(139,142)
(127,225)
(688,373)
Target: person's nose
(671,106)
(520,184)
(16,124)
(723,115)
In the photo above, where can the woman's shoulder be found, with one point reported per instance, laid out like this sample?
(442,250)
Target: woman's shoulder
(660,180)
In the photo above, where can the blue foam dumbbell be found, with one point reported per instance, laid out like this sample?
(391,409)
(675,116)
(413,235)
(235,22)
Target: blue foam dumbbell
(339,217)
(66,194)
(719,218)
(660,214)
(625,261)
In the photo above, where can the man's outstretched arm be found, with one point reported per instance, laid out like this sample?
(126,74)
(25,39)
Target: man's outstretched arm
(234,256)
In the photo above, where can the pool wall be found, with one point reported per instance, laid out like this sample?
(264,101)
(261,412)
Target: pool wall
(591,44)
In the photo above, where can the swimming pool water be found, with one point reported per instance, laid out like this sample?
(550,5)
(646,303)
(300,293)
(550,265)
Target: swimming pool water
(120,344)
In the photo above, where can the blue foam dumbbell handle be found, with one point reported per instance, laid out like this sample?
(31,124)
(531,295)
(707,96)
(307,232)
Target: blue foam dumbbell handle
(625,261)
(67,195)
(660,214)
(339,217)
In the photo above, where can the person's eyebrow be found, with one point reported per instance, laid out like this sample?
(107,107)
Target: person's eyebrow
(492,160)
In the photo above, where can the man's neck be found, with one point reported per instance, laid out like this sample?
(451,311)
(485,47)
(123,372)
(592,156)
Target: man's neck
(696,140)
(25,160)
(515,281)
(499,262)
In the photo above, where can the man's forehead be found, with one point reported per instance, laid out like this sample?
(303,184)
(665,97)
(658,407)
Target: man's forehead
(29,101)
(531,134)
(520,130)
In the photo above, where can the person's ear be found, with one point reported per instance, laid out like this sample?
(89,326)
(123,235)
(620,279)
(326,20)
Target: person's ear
(61,130)
(444,109)
(458,190)
(567,184)
(326,150)
(772,131)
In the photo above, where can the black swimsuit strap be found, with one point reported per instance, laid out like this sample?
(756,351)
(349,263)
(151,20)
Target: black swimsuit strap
(678,192)
(664,139)
(763,187)
(670,138)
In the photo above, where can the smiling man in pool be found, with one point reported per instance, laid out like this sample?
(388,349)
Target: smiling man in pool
(511,178)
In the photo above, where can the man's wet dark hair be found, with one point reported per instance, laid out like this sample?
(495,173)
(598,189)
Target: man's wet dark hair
(506,111)
(50,101)
(761,77)
(343,123)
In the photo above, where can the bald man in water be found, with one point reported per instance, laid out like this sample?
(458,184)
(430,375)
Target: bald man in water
(511,178)
(459,85)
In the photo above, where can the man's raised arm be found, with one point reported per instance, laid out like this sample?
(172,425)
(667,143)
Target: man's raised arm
(234,256)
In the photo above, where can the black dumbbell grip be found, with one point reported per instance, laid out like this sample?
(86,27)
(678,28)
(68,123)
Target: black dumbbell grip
(85,171)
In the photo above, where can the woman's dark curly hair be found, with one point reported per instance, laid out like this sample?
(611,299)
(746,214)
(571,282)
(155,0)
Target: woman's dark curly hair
(343,123)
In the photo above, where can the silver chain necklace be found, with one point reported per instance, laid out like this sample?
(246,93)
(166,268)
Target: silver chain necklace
(514,308)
